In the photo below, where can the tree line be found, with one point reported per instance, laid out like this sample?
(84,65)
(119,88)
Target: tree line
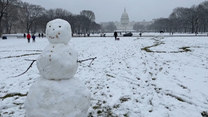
(184,20)
(21,17)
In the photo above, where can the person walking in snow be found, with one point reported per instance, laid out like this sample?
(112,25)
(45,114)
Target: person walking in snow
(28,37)
(115,35)
(140,34)
(33,37)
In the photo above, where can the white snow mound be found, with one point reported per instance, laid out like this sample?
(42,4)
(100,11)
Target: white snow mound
(64,98)
(57,61)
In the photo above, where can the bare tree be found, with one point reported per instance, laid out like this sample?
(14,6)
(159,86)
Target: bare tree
(181,19)
(40,23)
(8,15)
(11,17)
(161,24)
(3,7)
(139,27)
(108,27)
(89,14)
(17,16)
(82,24)
(202,11)
(58,13)
(32,12)
(94,27)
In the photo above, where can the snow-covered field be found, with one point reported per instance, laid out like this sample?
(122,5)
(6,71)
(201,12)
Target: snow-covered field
(133,77)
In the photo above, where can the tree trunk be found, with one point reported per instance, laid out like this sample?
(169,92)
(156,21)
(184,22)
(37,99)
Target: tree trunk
(192,27)
(0,28)
(27,28)
(9,29)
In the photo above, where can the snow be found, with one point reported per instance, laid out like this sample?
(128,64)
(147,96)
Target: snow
(124,80)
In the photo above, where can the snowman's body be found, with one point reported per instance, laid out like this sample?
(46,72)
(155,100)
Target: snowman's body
(58,62)
(57,93)
(63,98)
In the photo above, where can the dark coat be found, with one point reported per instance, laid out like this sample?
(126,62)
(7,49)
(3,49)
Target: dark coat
(115,34)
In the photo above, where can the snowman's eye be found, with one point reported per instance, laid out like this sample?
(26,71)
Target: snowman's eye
(50,26)
(59,26)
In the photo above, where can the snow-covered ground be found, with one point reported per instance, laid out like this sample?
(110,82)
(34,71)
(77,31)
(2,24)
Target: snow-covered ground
(133,77)
(147,34)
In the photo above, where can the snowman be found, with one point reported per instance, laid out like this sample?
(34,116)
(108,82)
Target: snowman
(57,93)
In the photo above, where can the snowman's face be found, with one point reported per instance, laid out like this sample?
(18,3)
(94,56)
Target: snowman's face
(58,31)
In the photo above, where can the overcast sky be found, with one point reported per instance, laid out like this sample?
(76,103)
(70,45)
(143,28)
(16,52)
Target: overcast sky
(111,10)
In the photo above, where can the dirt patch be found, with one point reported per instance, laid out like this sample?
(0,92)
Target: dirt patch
(185,49)
(13,95)
(158,43)
(124,99)
(204,114)
(21,51)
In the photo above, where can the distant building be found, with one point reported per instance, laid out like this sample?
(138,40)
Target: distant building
(124,24)
(124,20)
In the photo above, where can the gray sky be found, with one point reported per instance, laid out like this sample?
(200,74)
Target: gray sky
(111,10)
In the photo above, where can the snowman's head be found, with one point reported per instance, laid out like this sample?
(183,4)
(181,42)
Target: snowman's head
(58,31)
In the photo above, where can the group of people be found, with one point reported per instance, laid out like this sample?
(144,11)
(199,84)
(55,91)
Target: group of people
(33,36)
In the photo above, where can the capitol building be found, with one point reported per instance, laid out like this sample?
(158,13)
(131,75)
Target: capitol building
(124,24)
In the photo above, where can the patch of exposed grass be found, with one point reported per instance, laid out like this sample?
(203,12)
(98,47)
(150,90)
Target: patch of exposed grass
(185,49)
(124,99)
(17,56)
(13,95)
(204,114)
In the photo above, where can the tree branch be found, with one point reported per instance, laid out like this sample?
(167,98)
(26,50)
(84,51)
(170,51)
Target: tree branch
(92,59)
(80,61)
(27,68)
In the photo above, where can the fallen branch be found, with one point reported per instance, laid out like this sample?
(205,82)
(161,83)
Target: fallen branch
(30,60)
(92,59)
(17,56)
(80,61)
(91,62)
(27,68)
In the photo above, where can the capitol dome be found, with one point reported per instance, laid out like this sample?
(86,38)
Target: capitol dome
(124,18)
